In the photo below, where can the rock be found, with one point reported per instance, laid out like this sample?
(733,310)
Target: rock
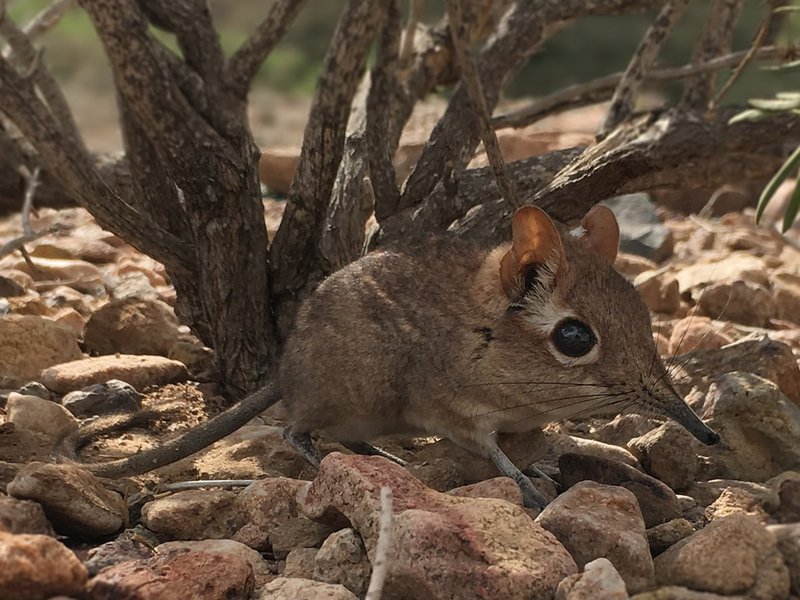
(522,448)
(115,552)
(194,515)
(498,487)
(763,357)
(735,501)
(788,510)
(300,563)
(694,333)
(199,360)
(668,454)
(42,416)
(299,532)
(442,546)
(80,274)
(665,535)
(734,266)
(659,291)
(285,588)
(764,444)
(29,344)
(23,516)
(113,396)
(139,371)
(35,567)
(593,521)
(676,592)
(261,572)
(630,265)
(599,581)
(73,499)
(175,576)
(641,231)
(34,388)
(622,429)
(343,559)
(440,474)
(788,539)
(706,492)
(787,298)
(9,287)
(657,501)
(132,326)
(67,247)
(276,168)
(266,504)
(739,301)
(71,319)
(703,561)
(560,444)
(133,285)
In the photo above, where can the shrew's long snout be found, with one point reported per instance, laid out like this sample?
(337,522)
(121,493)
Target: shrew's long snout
(670,404)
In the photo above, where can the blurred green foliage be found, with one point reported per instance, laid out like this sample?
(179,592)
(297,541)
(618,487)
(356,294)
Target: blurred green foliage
(586,49)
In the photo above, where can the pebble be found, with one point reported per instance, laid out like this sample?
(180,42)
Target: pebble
(194,515)
(32,413)
(132,326)
(23,516)
(502,488)
(661,537)
(735,501)
(301,563)
(594,520)
(668,454)
(788,540)
(139,371)
(261,571)
(29,344)
(623,428)
(599,581)
(286,588)
(342,559)
(113,396)
(739,301)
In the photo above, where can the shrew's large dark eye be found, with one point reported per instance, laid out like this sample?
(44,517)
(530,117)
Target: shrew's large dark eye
(573,338)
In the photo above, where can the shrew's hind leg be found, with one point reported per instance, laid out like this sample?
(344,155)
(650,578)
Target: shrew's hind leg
(531,497)
(370,450)
(301,441)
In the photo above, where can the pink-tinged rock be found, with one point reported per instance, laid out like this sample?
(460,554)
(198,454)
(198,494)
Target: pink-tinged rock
(139,371)
(343,559)
(23,516)
(29,344)
(732,555)
(593,521)
(502,488)
(442,546)
(697,333)
(194,515)
(132,326)
(176,576)
(35,567)
(260,567)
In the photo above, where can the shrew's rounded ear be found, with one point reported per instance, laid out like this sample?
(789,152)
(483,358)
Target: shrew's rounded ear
(535,243)
(601,231)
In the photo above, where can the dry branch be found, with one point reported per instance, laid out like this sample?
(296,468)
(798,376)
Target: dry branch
(246,61)
(624,98)
(600,89)
(472,82)
(715,40)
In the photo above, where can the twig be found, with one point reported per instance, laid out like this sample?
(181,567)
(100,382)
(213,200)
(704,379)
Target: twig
(715,40)
(18,242)
(759,40)
(599,89)
(469,75)
(622,103)
(379,563)
(30,191)
(203,483)
(245,62)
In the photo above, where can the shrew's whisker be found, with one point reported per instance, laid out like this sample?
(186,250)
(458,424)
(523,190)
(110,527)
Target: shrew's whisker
(579,399)
(555,383)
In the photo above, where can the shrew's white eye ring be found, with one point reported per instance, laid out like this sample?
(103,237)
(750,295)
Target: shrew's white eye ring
(573,338)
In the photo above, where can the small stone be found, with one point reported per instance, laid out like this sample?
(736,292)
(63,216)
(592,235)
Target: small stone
(80,272)
(29,344)
(35,567)
(739,301)
(10,288)
(630,265)
(694,333)
(115,552)
(733,267)
(765,443)
(343,559)
(788,510)
(560,444)
(34,388)
(440,474)
(266,504)
(194,515)
(132,326)
(103,398)
(23,516)
(668,454)
(139,371)
(286,588)
(300,562)
(641,230)
(659,291)
(175,576)
(32,413)
(705,493)
(66,247)
(735,501)
(260,568)
(593,521)
(73,499)
(704,560)
(599,581)
(788,539)
(133,285)
(71,319)
(199,360)
(665,535)
(657,501)
(497,487)
(623,428)
(676,592)
(442,546)
(299,532)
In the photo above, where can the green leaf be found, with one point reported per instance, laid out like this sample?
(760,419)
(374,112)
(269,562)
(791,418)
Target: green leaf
(775,104)
(788,95)
(751,114)
(769,190)
(794,205)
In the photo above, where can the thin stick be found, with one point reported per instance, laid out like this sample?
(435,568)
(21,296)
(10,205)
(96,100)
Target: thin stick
(27,205)
(598,89)
(379,563)
(469,75)
(622,103)
(203,483)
